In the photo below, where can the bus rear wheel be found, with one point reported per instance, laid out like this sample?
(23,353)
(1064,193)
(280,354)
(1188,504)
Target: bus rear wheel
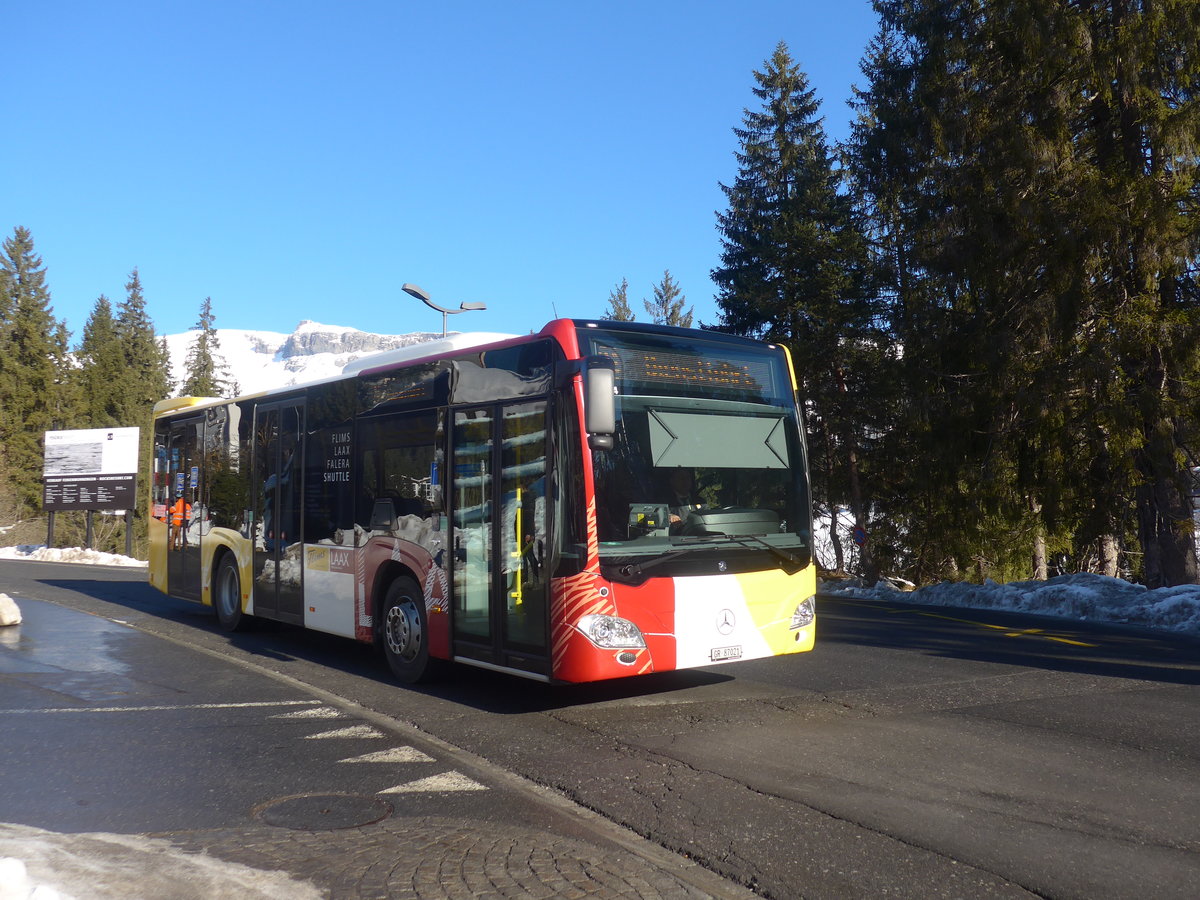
(405,631)
(227,594)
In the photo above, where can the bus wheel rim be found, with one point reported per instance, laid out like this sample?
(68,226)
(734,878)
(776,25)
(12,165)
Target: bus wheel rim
(403,626)
(225,592)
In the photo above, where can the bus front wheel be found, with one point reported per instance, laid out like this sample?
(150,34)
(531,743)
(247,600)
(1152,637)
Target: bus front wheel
(405,628)
(227,594)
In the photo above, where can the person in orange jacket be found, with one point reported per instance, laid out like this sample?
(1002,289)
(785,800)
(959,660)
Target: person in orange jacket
(181,515)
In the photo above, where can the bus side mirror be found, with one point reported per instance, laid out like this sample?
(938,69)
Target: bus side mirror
(600,404)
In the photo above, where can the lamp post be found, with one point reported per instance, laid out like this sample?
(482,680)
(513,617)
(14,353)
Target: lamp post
(420,294)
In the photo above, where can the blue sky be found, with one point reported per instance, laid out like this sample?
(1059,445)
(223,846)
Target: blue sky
(298,160)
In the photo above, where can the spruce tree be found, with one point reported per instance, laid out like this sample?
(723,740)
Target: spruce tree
(32,369)
(149,377)
(795,270)
(102,368)
(667,306)
(204,368)
(618,304)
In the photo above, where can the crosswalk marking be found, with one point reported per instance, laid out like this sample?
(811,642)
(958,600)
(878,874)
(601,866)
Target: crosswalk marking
(447,781)
(395,755)
(354,731)
(319,712)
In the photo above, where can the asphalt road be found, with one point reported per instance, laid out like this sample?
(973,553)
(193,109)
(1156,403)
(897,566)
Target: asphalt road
(916,753)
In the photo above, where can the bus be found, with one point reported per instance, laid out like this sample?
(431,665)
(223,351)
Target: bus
(595,500)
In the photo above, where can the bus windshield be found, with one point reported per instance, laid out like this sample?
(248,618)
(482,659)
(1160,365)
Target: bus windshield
(707,452)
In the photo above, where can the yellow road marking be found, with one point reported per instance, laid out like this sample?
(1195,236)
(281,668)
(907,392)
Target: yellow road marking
(1008,632)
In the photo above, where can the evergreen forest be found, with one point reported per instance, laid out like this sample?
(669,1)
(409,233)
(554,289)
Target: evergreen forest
(112,378)
(991,290)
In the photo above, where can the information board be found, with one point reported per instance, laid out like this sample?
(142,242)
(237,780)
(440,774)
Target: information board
(90,468)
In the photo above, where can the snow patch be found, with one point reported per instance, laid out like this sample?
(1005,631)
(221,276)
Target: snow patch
(42,553)
(10,614)
(1084,596)
(44,865)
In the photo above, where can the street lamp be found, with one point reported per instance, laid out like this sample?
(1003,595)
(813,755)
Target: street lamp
(419,293)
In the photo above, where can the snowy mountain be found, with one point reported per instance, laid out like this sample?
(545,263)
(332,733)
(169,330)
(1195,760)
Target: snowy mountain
(260,360)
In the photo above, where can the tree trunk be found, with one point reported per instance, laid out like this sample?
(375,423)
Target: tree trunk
(866,558)
(1164,504)
(839,555)
(1166,532)
(1041,568)
(1109,555)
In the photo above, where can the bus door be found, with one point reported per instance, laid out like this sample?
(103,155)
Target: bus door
(183,496)
(498,511)
(278,470)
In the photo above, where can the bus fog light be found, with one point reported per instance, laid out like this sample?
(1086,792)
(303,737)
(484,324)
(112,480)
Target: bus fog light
(611,632)
(805,614)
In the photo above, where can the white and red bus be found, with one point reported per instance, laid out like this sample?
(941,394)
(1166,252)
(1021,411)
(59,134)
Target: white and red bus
(596,500)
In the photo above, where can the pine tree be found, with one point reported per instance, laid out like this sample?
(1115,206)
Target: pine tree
(102,369)
(149,377)
(947,263)
(795,270)
(32,369)
(147,380)
(1140,129)
(204,368)
(667,306)
(618,304)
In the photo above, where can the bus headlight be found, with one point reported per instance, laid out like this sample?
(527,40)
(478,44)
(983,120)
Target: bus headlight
(805,614)
(611,632)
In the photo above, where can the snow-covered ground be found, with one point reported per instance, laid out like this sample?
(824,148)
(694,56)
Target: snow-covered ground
(42,553)
(1083,597)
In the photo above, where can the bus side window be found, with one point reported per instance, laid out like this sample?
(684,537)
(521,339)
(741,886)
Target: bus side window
(368,491)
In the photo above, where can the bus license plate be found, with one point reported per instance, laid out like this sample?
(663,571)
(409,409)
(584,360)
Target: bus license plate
(719,653)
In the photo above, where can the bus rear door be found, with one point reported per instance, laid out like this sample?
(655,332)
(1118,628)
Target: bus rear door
(278,477)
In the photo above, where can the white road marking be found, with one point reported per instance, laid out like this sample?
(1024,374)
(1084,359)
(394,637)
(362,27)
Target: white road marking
(354,731)
(395,755)
(447,781)
(176,708)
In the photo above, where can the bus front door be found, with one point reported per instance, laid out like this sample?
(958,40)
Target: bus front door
(498,510)
(278,471)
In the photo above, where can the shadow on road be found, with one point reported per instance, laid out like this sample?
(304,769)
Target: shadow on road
(1011,639)
(274,642)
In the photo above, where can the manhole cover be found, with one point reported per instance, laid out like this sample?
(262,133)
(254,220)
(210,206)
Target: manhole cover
(323,812)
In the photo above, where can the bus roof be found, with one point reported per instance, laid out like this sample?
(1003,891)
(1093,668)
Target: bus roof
(450,344)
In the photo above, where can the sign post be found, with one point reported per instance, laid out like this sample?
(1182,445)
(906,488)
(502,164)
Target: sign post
(90,469)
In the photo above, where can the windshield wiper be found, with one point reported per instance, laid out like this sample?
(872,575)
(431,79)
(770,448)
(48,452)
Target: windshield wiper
(779,552)
(633,570)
